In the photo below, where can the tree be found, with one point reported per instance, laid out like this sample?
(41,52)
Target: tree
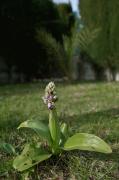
(103,15)
(67,18)
(18,45)
(54,61)
(77,45)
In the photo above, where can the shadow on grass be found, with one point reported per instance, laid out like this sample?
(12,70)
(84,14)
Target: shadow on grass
(103,124)
(12,120)
(94,117)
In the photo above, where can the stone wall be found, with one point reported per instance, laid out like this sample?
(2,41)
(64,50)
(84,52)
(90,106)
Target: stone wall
(10,75)
(84,70)
(4,77)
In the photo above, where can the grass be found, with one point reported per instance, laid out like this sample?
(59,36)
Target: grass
(87,107)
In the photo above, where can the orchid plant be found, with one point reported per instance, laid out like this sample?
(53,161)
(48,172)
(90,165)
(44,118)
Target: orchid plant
(56,135)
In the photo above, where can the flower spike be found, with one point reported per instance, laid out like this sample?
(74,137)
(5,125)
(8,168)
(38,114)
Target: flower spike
(50,96)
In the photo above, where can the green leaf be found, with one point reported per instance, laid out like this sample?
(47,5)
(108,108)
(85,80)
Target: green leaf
(30,156)
(40,128)
(54,127)
(8,148)
(64,133)
(88,142)
(64,130)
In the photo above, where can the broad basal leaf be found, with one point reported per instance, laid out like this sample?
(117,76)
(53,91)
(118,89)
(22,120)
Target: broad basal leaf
(30,156)
(88,142)
(54,126)
(8,148)
(38,127)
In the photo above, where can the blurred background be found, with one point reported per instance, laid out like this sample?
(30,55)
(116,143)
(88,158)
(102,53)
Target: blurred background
(60,39)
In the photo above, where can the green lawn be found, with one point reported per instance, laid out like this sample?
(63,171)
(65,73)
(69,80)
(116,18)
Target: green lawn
(86,107)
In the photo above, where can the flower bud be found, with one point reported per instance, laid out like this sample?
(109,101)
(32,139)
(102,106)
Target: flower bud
(55,98)
(50,88)
(44,100)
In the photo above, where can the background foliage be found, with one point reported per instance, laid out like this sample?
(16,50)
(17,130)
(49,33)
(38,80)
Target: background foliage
(104,15)
(18,46)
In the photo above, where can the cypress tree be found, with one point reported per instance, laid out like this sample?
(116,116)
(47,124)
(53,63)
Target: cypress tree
(103,14)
